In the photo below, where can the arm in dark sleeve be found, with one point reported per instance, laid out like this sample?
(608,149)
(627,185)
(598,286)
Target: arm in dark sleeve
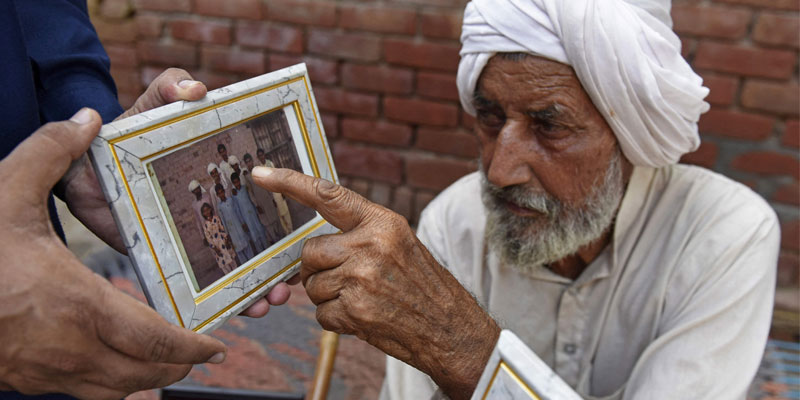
(71,68)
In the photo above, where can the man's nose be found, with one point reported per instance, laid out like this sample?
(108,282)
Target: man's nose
(509,165)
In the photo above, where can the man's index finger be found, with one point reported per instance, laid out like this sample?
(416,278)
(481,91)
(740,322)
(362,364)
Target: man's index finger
(340,206)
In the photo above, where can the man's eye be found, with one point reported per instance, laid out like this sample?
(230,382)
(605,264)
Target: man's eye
(490,119)
(549,129)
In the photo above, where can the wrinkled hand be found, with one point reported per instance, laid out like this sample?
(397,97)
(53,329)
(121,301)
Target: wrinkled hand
(377,281)
(65,329)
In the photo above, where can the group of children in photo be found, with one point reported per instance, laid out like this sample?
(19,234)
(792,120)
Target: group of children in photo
(235,214)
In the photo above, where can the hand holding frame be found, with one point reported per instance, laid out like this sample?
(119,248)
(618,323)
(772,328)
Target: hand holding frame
(377,281)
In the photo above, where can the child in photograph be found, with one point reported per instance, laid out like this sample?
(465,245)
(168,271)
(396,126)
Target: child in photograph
(231,216)
(200,198)
(218,239)
(280,202)
(248,210)
(217,179)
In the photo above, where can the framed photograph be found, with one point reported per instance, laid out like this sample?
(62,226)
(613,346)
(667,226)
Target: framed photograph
(515,372)
(204,239)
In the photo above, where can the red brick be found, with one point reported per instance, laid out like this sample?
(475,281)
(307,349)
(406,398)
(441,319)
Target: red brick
(402,202)
(127,79)
(774,4)
(447,141)
(435,173)
(162,5)
(319,70)
(442,24)
(340,101)
(201,31)
(350,46)
(773,97)
(380,193)
(791,134)
(421,201)
(302,12)
(330,122)
(149,26)
(736,124)
(422,54)
(377,78)
(790,235)
(227,60)
(704,156)
(687,47)
(749,61)
(378,18)
(788,269)
(378,132)
(117,9)
(149,74)
(788,194)
(768,163)
(420,111)
(435,3)
(122,55)
(168,54)
(273,37)
(720,22)
(723,89)
(379,165)
(124,31)
(359,186)
(777,30)
(246,9)
(438,86)
(214,80)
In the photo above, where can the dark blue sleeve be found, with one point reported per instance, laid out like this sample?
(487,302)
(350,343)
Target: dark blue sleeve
(70,66)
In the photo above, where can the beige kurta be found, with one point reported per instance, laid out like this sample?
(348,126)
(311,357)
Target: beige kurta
(678,306)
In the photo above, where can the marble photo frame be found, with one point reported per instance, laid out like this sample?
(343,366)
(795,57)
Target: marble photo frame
(514,372)
(126,157)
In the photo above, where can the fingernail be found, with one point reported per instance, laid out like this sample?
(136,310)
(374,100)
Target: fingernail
(262,172)
(83,117)
(187,83)
(217,358)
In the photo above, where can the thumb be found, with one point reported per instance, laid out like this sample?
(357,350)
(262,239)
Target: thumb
(40,161)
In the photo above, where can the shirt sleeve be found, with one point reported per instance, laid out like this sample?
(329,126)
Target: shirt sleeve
(716,317)
(71,68)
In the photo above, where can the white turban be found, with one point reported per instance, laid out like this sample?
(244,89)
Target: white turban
(624,53)
(232,160)
(211,167)
(194,184)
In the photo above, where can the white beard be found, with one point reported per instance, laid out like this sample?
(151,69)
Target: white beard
(527,243)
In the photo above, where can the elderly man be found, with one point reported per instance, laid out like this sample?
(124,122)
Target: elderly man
(630,276)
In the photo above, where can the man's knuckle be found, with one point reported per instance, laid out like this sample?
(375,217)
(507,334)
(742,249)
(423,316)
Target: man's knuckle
(159,347)
(328,191)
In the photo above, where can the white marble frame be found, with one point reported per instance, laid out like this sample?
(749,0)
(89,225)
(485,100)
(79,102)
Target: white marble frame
(123,149)
(514,372)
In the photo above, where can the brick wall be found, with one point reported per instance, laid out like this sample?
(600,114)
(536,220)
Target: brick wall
(384,76)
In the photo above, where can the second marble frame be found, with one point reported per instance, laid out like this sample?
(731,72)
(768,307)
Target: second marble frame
(141,162)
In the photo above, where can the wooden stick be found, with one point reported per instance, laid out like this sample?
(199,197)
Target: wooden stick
(328,344)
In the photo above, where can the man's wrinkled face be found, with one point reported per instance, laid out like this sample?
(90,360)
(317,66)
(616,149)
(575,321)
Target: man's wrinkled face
(553,171)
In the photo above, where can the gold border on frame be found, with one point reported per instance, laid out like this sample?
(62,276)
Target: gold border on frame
(314,165)
(514,375)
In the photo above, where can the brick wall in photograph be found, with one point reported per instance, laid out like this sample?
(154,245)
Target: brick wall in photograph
(384,76)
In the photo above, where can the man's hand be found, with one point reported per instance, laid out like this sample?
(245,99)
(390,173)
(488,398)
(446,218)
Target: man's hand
(65,329)
(378,282)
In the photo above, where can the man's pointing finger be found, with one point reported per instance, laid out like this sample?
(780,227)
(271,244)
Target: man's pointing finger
(340,206)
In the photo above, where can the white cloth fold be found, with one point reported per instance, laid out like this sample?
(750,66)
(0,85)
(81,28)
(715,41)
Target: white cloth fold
(624,53)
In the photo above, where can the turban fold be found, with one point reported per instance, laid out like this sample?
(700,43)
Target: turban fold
(194,184)
(211,167)
(624,53)
(232,160)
